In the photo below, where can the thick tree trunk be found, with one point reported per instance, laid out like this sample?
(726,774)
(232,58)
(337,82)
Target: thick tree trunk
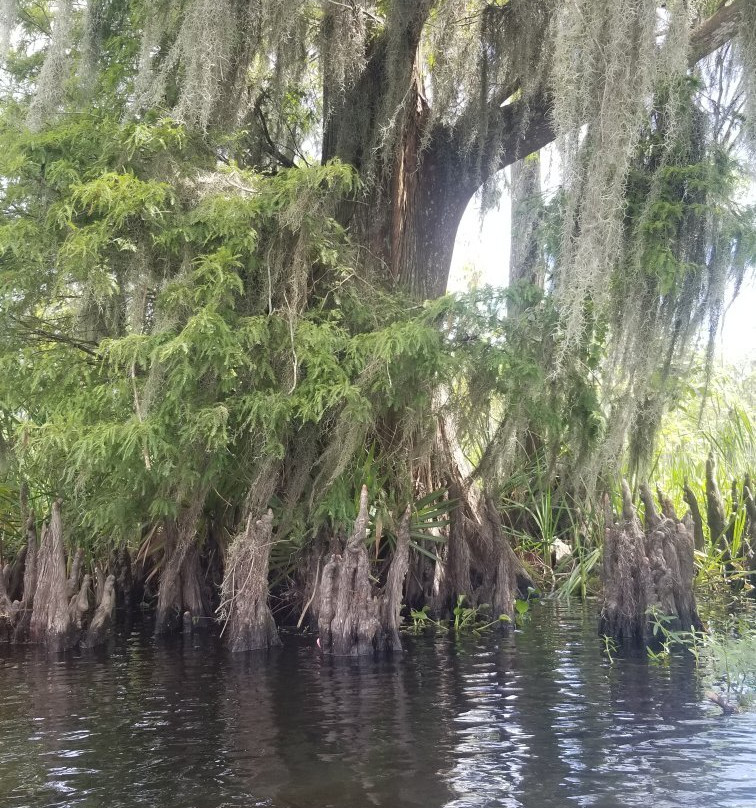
(430,194)
(50,621)
(250,625)
(355,618)
(646,571)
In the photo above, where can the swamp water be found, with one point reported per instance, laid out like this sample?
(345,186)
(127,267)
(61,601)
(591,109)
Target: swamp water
(540,719)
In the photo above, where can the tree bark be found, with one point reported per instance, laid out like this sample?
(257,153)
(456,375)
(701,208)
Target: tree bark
(715,512)
(250,625)
(699,541)
(178,578)
(101,627)
(50,620)
(355,618)
(643,571)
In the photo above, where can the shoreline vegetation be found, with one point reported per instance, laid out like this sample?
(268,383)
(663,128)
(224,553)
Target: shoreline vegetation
(233,391)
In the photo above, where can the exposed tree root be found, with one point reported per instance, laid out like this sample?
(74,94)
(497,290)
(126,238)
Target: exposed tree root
(699,541)
(120,567)
(14,582)
(8,614)
(80,606)
(715,511)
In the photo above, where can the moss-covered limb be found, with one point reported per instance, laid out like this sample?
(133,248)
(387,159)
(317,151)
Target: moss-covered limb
(646,571)
(249,623)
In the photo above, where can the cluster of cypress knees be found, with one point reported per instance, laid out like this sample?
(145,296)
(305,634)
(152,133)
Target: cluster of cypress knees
(49,599)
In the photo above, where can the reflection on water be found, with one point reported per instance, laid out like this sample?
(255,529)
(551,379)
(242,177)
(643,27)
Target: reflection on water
(536,720)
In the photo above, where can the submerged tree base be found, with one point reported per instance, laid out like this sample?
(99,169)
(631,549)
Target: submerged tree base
(355,618)
(646,572)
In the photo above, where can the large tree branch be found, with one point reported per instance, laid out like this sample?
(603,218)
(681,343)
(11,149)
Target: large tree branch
(513,141)
(720,28)
(390,61)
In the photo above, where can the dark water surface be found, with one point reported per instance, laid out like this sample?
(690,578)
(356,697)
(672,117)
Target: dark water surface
(539,720)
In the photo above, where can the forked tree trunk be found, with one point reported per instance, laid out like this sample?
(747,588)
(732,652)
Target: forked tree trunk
(250,625)
(356,618)
(645,571)
(50,621)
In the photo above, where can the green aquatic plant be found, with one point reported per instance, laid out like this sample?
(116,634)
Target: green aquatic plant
(609,648)
(725,654)
(475,619)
